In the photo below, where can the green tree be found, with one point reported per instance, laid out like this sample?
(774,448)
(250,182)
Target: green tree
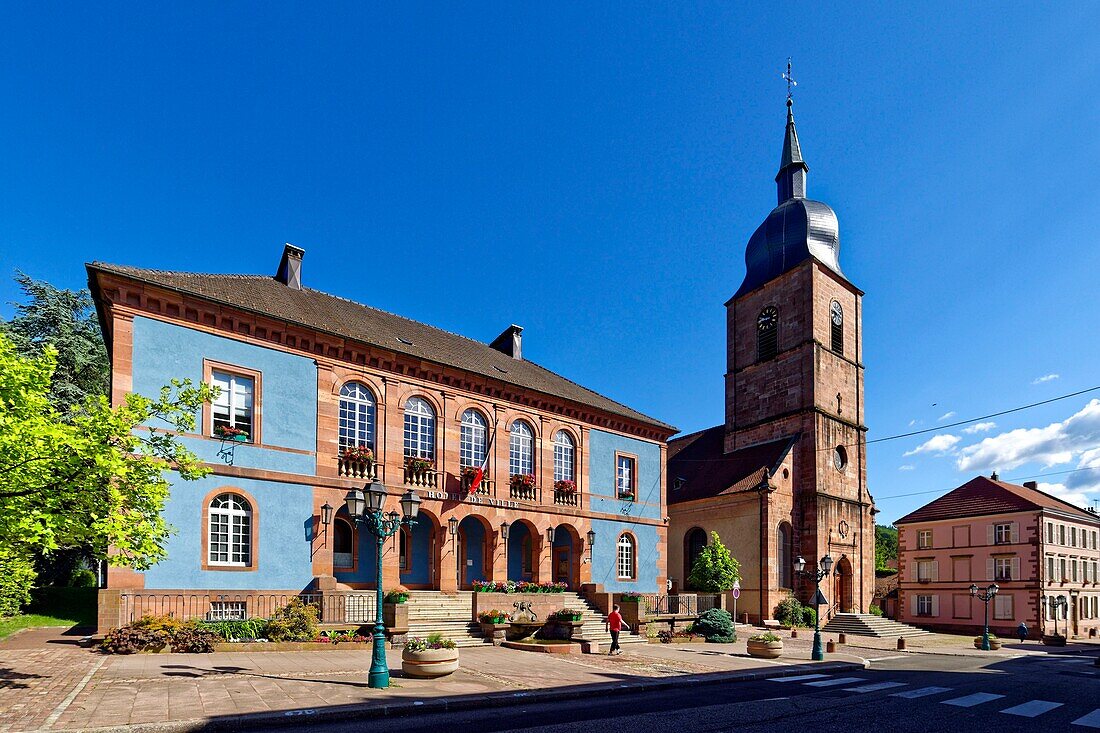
(714,570)
(886,548)
(93,476)
(65,320)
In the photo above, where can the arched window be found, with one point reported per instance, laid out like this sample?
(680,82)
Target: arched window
(419,429)
(783,553)
(521,451)
(230,531)
(342,555)
(694,544)
(836,321)
(767,333)
(564,451)
(356,417)
(471,442)
(625,557)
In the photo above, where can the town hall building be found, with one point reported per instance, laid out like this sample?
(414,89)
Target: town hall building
(785,475)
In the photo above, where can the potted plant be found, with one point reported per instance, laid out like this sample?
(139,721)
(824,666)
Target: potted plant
(358,454)
(493,624)
(416,465)
(565,487)
(524,481)
(765,646)
(228,432)
(429,657)
(467,476)
(994,642)
(563,624)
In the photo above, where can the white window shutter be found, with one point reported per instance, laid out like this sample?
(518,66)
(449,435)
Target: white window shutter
(989,569)
(989,535)
(935,571)
(1016,568)
(1015,533)
(935,605)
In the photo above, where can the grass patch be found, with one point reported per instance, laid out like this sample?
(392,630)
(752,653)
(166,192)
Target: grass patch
(54,607)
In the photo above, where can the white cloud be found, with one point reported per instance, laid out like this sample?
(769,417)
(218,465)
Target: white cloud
(907,467)
(1073,497)
(913,422)
(1044,378)
(939,444)
(947,416)
(1075,438)
(980,427)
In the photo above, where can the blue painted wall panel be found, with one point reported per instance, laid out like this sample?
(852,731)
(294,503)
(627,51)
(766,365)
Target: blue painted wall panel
(164,351)
(604,555)
(474,550)
(283,557)
(601,475)
(419,571)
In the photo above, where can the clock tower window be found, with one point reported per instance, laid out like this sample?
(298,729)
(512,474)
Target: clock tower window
(836,320)
(767,334)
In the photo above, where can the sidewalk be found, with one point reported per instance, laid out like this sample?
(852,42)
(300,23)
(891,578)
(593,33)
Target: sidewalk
(81,689)
(945,644)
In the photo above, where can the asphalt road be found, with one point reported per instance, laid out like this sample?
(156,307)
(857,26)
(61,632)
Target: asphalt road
(912,693)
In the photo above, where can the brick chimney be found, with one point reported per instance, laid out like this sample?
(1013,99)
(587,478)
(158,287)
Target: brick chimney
(510,342)
(1033,485)
(290,267)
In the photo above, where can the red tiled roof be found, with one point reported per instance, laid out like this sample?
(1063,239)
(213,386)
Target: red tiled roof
(981,495)
(699,465)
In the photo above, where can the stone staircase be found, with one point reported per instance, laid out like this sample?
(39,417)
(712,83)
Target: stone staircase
(450,614)
(865,624)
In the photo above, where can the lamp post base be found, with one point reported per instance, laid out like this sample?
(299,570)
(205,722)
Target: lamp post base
(379,676)
(818,654)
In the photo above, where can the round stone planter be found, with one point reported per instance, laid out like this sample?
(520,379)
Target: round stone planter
(765,649)
(1054,640)
(994,644)
(429,662)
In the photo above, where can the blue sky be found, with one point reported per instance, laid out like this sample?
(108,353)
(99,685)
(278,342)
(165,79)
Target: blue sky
(593,174)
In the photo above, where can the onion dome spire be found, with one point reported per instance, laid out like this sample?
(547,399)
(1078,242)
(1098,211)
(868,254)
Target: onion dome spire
(790,181)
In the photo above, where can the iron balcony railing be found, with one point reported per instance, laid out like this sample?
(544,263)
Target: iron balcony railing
(683,604)
(366,470)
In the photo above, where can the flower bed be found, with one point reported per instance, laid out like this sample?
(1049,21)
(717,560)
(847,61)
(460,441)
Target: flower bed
(511,586)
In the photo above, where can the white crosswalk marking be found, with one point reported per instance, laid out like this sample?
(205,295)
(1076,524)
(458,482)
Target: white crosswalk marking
(799,678)
(874,687)
(1092,720)
(969,701)
(921,692)
(837,681)
(1032,708)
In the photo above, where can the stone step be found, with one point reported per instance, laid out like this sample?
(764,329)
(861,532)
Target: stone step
(870,625)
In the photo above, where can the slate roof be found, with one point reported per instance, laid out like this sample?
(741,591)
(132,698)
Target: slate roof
(707,470)
(320,311)
(981,495)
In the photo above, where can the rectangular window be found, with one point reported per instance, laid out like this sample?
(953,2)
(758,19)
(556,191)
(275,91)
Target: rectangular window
(1050,568)
(924,571)
(837,337)
(1050,531)
(960,569)
(961,536)
(1062,570)
(1061,534)
(1073,570)
(1073,537)
(960,605)
(1002,534)
(1002,568)
(924,605)
(1002,607)
(232,409)
(626,477)
(924,539)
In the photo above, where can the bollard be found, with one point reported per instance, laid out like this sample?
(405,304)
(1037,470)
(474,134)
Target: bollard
(901,643)
(830,647)
(794,633)
(842,639)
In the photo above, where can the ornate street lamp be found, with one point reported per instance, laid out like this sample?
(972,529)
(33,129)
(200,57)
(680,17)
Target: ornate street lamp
(365,509)
(985,597)
(826,564)
(326,514)
(504,530)
(550,536)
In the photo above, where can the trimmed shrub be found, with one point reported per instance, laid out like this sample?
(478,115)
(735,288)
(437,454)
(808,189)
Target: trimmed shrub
(716,625)
(809,617)
(153,633)
(83,578)
(131,640)
(790,612)
(296,621)
(16,576)
(193,640)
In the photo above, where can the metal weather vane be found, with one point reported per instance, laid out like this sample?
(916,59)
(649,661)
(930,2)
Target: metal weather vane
(789,78)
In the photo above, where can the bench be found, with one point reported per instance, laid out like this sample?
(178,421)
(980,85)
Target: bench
(771,623)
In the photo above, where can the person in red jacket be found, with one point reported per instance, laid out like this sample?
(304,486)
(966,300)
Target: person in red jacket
(615,624)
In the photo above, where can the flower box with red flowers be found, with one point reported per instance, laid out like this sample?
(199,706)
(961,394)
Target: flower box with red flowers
(522,481)
(419,465)
(358,454)
(565,487)
(226,432)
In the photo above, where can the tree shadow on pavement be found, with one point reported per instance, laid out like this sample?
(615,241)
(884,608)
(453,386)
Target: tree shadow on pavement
(10,679)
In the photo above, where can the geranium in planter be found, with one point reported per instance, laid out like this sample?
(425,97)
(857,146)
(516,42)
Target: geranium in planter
(765,646)
(522,481)
(418,465)
(565,487)
(400,594)
(358,454)
(430,657)
(228,432)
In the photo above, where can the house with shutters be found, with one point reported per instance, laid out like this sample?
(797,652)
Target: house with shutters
(1041,551)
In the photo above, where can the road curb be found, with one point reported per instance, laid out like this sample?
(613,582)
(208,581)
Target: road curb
(345,713)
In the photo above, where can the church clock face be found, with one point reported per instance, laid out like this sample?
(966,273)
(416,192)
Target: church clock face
(837,313)
(768,318)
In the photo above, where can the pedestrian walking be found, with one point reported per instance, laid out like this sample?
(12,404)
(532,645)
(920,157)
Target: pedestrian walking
(615,624)
(1021,631)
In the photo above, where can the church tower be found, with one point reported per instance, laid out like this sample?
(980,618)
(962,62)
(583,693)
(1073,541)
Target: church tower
(794,370)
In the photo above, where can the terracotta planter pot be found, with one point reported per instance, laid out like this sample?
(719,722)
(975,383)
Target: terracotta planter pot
(429,662)
(994,644)
(765,649)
